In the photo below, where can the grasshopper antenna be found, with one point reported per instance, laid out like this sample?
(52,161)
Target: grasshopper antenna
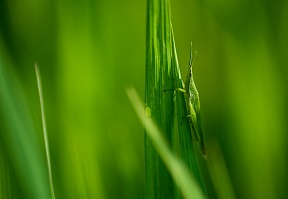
(191,61)
(191,55)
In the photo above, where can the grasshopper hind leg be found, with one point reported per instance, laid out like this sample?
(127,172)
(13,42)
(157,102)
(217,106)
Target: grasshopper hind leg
(195,137)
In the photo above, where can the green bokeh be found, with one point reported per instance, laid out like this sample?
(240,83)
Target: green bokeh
(90,51)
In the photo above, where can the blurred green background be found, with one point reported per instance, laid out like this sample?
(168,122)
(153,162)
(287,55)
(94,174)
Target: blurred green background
(88,53)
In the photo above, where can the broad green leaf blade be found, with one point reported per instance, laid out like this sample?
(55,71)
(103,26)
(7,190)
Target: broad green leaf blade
(158,182)
(188,187)
(5,182)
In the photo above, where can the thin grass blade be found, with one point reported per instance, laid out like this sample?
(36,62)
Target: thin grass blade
(219,173)
(18,138)
(45,135)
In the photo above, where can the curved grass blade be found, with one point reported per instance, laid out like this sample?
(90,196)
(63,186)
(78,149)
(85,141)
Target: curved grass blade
(188,187)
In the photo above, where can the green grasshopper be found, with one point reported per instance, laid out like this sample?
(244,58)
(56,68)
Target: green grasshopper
(193,106)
